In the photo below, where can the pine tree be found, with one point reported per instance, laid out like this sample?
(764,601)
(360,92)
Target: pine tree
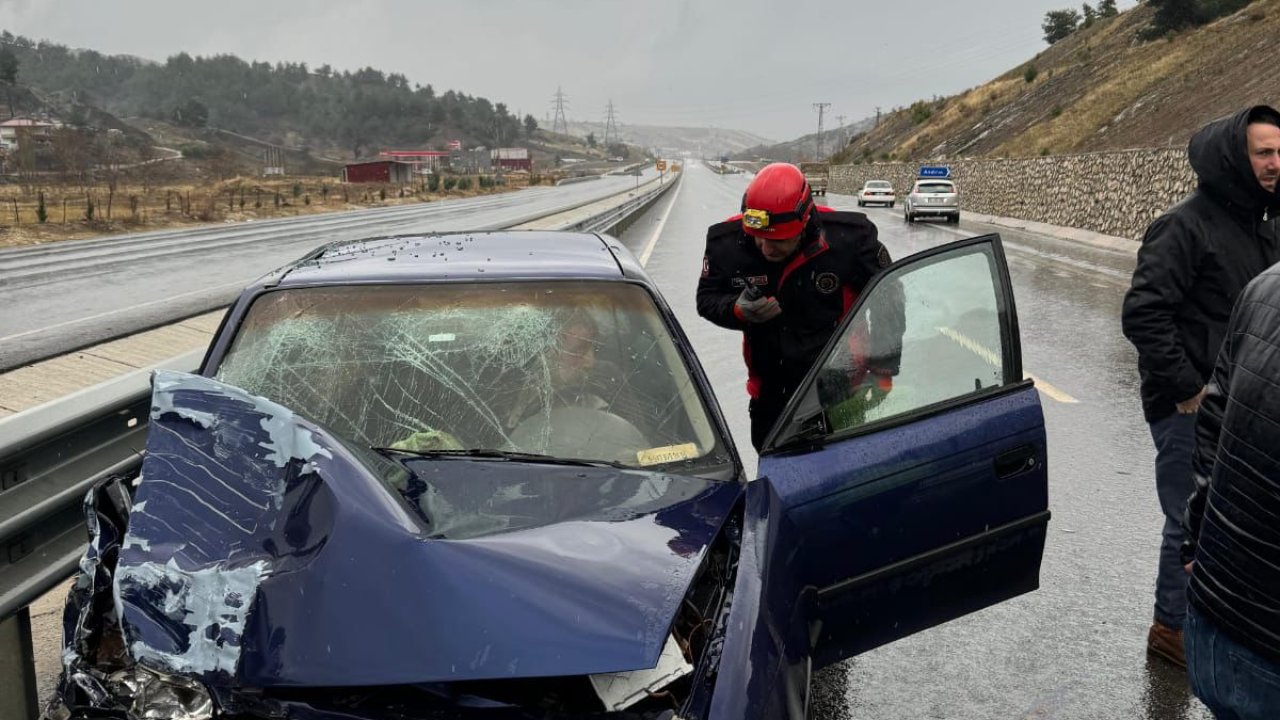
(1058,24)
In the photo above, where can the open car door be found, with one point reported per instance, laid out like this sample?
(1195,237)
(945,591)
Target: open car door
(930,501)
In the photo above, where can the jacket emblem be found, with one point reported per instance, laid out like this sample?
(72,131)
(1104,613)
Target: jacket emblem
(827,283)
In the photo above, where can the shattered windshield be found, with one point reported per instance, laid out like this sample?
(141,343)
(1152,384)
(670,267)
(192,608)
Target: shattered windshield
(573,370)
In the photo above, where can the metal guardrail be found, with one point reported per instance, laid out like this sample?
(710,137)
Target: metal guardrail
(51,455)
(610,221)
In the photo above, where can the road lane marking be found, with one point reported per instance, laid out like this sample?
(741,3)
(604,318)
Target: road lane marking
(995,360)
(657,233)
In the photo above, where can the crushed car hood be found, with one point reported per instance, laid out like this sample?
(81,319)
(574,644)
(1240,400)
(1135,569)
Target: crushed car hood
(262,552)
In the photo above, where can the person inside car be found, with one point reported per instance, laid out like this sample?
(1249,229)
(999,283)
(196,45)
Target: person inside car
(572,414)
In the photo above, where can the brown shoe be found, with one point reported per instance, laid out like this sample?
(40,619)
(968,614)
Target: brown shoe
(1166,642)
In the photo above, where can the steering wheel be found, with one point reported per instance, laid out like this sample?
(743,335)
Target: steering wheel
(576,432)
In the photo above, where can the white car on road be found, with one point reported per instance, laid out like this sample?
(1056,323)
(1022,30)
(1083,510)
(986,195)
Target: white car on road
(877,191)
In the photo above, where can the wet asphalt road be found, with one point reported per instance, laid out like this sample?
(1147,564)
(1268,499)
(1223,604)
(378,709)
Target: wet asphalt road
(1076,647)
(61,296)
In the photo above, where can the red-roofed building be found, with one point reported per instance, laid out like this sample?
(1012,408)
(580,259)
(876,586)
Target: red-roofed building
(14,132)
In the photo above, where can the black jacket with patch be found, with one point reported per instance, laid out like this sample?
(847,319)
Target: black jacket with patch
(837,257)
(1234,515)
(1194,261)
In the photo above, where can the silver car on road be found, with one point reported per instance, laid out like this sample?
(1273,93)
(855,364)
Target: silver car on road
(932,198)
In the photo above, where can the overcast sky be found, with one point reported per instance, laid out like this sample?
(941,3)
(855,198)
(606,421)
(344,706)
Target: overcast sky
(756,65)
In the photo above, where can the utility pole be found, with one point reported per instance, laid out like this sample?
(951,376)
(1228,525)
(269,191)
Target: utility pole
(560,125)
(822,108)
(610,125)
(877,116)
(843,140)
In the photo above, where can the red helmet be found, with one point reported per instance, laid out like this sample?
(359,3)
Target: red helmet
(777,203)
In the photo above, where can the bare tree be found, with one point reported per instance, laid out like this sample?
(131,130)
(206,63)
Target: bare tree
(25,159)
(148,168)
(73,154)
(109,168)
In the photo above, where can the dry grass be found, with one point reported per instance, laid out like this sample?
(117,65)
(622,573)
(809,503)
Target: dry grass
(181,205)
(957,113)
(1100,89)
(1113,94)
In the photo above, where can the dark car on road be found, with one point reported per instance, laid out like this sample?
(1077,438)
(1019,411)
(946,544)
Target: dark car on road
(484,476)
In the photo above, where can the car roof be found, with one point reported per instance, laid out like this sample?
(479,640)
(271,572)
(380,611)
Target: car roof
(464,257)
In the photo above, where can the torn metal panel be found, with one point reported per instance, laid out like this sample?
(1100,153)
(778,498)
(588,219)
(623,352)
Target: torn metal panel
(219,469)
(619,691)
(98,671)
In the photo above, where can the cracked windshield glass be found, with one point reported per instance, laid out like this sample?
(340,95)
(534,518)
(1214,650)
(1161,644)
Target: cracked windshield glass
(582,371)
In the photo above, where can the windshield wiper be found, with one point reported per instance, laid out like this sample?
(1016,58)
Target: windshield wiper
(499,455)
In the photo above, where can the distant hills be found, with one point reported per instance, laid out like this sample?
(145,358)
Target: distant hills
(805,148)
(332,111)
(707,141)
(329,112)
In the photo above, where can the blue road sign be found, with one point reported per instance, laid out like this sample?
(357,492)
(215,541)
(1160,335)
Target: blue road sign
(935,172)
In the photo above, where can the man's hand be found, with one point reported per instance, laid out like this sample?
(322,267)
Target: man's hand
(1192,404)
(758,310)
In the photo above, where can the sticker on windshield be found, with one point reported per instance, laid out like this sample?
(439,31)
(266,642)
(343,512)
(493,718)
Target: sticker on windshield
(666,454)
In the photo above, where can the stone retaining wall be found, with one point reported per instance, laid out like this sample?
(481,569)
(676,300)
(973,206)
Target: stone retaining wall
(1116,193)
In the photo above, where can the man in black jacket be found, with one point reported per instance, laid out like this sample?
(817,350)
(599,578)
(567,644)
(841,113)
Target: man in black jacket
(1233,519)
(1194,261)
(785,272)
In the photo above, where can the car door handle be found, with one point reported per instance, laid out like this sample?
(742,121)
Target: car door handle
(1015,462)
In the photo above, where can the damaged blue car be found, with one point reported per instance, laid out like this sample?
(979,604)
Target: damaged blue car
(484,476)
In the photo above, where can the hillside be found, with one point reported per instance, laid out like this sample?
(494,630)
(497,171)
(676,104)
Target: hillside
(709,141)
(329,111)
(1101,88)
(805,148)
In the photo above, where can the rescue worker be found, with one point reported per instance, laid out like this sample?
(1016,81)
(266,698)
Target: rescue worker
(785,272)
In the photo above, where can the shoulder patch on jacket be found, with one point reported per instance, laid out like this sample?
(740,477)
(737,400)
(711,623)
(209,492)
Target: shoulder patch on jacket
(882,257)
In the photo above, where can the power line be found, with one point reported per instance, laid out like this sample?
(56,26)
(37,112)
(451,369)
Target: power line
(560,125)
(822,108)
(610,124)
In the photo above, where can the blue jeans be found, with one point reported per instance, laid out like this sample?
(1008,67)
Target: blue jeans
(1175,438)
(1231,680)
